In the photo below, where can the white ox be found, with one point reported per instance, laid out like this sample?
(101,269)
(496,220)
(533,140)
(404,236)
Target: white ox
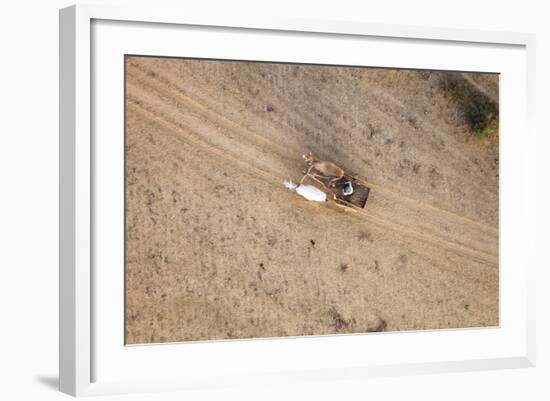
(307,191)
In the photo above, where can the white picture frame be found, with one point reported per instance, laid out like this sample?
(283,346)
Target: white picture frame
(87,346)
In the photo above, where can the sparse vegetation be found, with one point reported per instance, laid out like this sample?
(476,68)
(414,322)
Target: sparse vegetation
(379,326)
(338,320)
(480,112)
(481,118)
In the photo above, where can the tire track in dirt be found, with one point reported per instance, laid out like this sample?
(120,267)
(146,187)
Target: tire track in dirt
(208,112)
(383,197)
(245,94)
(372,218)
(283,150)
(422,277)
(219,248)
(395,225)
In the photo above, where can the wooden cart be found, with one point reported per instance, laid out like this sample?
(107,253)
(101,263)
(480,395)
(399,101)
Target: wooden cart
(357,199)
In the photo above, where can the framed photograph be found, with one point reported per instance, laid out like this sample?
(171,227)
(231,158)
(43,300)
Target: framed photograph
(279,200)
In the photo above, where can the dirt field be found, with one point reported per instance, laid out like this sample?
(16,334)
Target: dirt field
(218,248)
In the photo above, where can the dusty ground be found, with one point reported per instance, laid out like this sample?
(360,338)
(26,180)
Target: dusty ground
(217,248)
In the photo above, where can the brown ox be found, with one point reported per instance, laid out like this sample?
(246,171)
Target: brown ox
(323,168)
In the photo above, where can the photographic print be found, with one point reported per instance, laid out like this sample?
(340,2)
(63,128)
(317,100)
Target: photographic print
(267,199)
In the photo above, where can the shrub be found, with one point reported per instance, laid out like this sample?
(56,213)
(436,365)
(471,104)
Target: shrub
(481,119)
(481,113)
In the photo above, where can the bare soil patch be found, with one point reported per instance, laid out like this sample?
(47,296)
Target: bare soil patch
(218,248)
